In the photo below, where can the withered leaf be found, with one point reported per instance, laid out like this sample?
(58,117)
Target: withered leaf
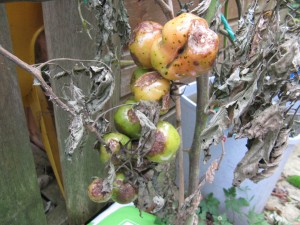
(148,114)
(263,122)
(102,87)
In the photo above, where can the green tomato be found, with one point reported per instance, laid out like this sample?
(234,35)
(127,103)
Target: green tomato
(113,141)
(126,121)
(166,144)
(123,192)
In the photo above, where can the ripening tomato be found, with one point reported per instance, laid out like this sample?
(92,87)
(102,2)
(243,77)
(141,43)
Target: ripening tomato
(187,47)
(148,85)
(141,42)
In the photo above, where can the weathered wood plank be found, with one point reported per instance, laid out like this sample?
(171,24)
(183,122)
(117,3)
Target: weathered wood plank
(66,38)
(20,200)
(8,1)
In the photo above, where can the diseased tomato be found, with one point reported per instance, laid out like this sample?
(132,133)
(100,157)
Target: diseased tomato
(141,42)
(187,48)
(97,192)
(123,192)
(114,142)
(126,121)
(167,142)
(148,85)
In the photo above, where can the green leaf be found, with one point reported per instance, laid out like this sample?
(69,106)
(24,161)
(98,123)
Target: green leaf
(256,218)
(210,204)
(294,180)
(230,193)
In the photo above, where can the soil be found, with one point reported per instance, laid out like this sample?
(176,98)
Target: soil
(284,203)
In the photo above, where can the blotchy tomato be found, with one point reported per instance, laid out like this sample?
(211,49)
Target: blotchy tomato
(148,85)
(141,42)
(114,142)
(123,192)
(126,121)
(167,142)
(187,48)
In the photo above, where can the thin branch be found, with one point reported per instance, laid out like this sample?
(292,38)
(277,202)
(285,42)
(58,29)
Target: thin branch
(222,154)
(110,109)
(202,7)
(179,129)
(226,37)
(36,72)
(169,13)
(239,8)
(170,4)
(201,120)
(38,75)
(84,22)
(40,66)
(180,152)
(167,10)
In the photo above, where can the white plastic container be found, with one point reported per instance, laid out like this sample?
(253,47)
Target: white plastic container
(235,150)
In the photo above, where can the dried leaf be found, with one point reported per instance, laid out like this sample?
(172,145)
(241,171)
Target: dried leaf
(112,18)
(202,7)
(251,77)
(288,59)
(109,179)
(263,122)
(159,203)
(102,87)
(77,135)
(148,114)
(268,169)
(123,27)
(210,173)
(75,97)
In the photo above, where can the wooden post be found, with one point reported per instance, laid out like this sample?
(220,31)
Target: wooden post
(66,38)
(20,199)
(4,1)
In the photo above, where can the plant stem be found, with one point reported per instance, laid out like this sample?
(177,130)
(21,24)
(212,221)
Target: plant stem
(201,120)
(124,63)
(210,14)
(226,16)
(38,75)
(180,153)
(167,10)
(36,72)
(201,116)
(179,129)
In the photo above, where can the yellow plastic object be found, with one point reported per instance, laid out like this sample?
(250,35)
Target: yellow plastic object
(26,23)
(24,19)
(39,107)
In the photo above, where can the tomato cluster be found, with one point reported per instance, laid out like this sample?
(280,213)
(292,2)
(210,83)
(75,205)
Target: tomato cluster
(184,46)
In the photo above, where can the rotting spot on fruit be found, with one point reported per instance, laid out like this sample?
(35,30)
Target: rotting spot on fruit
(159,143)
(112,145)
(180,51)
(132,116)
(145,81)
(96,191)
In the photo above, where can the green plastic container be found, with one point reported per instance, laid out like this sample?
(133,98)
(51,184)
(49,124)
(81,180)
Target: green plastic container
(124,215)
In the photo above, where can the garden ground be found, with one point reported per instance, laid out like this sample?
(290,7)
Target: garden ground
(285,199)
